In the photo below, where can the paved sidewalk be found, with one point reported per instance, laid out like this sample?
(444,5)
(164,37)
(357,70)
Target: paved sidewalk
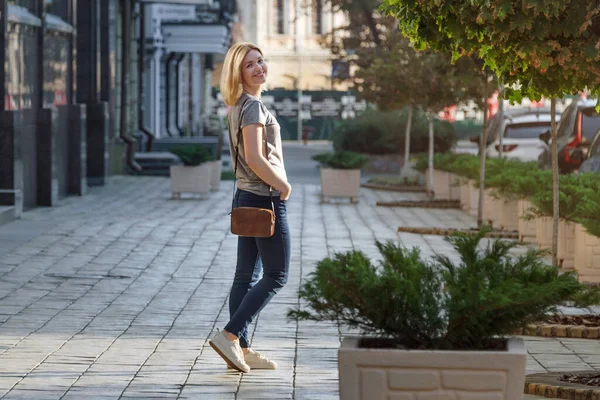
(115,294)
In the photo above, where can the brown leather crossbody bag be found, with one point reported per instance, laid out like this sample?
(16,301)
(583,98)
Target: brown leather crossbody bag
(250,221)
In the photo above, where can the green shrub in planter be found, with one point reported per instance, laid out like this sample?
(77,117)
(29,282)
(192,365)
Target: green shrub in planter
(192,155)
(571,194)
(441,161)
(378,132)
(439,304)
(342,160)
(588,211)
(466,166)
(513,179)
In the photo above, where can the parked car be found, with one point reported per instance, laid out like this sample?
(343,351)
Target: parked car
(521,133)
(521,129)
(579,126)
(592,162)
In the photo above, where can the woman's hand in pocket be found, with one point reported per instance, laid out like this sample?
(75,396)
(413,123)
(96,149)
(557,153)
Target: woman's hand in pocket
(284,193)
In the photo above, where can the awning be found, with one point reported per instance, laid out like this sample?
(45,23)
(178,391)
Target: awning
(193,2)
(195,38)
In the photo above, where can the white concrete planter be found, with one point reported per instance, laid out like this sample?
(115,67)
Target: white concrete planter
(382,374)
(465,195)
(508,214)
(454,187)
(186,179)
(566,240)
(215,177)
(566,244)
(474,198)
(489,208)
(340,183)
(587,255)
(543,232)
(441,185)
(527,229)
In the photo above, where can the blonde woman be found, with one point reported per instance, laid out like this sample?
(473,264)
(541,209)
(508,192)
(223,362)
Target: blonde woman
(254,136)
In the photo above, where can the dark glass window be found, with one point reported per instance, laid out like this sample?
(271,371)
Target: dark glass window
(28,4)
(279,16)
(20,67)
(526,131)
(59,8)
(317,17)
(56,78)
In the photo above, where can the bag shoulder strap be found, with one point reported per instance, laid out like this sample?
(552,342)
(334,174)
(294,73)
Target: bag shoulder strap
(237,144)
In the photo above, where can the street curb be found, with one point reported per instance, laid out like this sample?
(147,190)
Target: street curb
(448,231)
(547,385)
(441,204)
(395,188)
(560,331)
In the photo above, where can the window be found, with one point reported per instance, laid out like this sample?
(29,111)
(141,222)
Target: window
(279,17)
(590,123)
(526,131)
(317,17)
(59,8)
(28,4)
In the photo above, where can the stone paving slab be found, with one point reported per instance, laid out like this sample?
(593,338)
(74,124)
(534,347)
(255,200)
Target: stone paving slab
(114,295)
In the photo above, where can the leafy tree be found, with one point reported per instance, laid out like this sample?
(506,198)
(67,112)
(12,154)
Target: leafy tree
(540,48)
(390,79)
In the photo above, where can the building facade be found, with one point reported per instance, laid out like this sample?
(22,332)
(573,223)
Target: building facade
(289,32)
(181,43)
(83,92)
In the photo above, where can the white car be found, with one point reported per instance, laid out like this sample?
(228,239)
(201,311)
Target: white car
(521,131)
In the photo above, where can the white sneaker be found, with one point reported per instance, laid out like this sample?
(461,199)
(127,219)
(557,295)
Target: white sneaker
(256,360)
(230,351)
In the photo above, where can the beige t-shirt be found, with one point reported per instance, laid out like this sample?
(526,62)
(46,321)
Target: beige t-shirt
(253,111)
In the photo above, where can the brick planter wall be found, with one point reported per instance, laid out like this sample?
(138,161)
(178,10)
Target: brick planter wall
(543,232)
(441,184)
(587,255)
(381,374)
(454,189)
(474,198)
(508,214)
(489,210)
(527,229)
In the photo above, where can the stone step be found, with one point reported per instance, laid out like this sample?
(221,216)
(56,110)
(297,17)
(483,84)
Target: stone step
(7,214)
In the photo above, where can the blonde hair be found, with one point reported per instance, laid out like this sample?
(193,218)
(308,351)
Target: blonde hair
(231,77)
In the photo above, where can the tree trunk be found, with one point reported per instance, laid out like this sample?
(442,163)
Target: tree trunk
(501,116)
(555,183)
(431,136)
(482,151)
(407,138)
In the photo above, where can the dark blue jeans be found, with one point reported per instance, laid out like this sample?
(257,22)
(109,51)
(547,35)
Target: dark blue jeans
(271,255)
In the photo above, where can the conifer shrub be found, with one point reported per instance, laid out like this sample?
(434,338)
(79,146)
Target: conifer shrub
(439,304)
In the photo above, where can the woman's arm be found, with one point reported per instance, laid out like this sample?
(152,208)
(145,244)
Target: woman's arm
(253,153)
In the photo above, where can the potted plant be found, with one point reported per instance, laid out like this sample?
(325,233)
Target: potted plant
(340,174)
(194,176)
(436,327)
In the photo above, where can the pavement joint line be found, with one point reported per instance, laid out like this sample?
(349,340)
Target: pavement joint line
(298,303)
(64,308)
(576,354)
(50,266)
(208,209)
(117,297)
(212,329)
(75,334)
